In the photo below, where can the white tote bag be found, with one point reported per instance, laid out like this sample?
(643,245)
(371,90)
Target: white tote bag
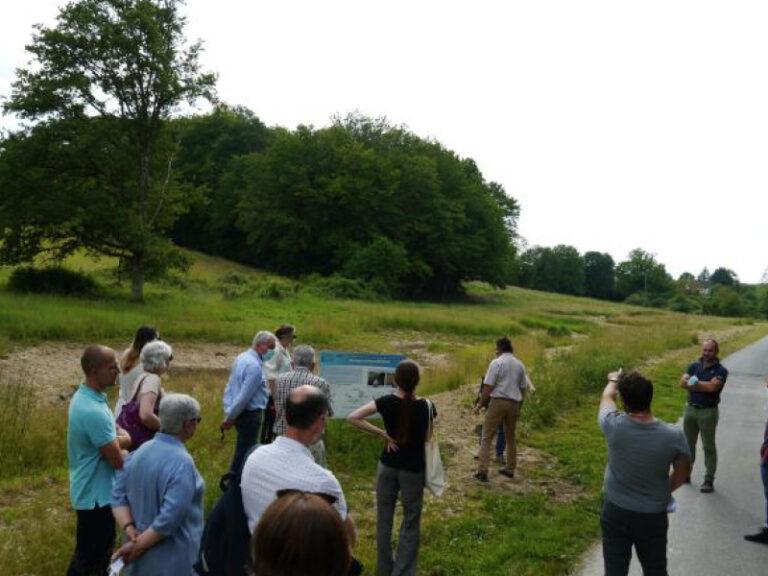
(434,476)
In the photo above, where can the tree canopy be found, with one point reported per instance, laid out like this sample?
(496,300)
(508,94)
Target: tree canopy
(376,202)
(102,85)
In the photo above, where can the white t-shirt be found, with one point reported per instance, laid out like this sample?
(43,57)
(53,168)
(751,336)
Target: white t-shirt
(285,464)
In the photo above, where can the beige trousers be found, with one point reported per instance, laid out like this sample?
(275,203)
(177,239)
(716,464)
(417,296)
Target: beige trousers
(500,411)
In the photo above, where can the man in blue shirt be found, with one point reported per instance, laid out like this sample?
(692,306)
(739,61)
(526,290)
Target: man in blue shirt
(94,453)
(246,395)
(704,381)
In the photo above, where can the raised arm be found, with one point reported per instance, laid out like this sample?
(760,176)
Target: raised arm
(608,399)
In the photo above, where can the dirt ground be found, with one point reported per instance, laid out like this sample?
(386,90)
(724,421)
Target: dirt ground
(55,367)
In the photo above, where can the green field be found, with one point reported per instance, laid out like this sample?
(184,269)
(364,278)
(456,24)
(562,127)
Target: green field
(541,527)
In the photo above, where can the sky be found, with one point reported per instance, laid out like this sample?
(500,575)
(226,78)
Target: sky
(614,124)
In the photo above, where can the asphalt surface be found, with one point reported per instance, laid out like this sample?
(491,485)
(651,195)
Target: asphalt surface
(706,533)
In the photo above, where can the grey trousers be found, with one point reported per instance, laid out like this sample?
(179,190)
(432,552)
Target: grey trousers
(410,486)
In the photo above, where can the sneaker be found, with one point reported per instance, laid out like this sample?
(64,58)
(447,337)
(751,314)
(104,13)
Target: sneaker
(480,476)
(707,487)
(507,473)
(761,537)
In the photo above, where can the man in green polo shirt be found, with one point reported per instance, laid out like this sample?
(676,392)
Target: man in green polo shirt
(94,452)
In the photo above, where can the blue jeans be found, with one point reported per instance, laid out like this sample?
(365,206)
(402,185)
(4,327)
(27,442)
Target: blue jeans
(764,474)
(248,426)
(501,442)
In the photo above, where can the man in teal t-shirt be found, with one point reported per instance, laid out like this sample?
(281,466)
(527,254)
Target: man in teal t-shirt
(93,450)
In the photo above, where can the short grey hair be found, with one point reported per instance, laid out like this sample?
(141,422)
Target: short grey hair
(263,337)
(175,410)
(155,354)
(303,356)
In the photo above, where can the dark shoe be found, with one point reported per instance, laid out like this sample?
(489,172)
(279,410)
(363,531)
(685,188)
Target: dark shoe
(480,476)
(476,457)
(707,487)
(507,473)
(761,537)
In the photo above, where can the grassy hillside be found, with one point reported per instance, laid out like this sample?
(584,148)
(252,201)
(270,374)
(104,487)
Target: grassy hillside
(540,526)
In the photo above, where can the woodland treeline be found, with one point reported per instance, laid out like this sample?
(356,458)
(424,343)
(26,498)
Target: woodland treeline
(105,162)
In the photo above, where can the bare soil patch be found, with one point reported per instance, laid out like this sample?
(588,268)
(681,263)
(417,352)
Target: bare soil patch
(459,443)
(55,367)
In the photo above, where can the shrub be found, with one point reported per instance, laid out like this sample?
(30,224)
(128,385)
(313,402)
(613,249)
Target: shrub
(53,280)
(341,288)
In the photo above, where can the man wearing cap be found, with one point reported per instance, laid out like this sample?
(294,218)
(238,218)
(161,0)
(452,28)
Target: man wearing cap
(704,381)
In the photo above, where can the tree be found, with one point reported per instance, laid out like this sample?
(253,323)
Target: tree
(703,277)
(641,273)
(209,144)
(559,269)
(361,192)
(599,277)
(724,277)
(110,74)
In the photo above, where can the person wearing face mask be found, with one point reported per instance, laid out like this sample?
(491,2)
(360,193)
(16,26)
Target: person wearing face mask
(245,396)
(287,463)
(279,364)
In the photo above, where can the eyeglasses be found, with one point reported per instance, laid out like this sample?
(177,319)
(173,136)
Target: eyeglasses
(198,419)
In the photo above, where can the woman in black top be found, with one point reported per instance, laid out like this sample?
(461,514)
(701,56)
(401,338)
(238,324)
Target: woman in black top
(401,467)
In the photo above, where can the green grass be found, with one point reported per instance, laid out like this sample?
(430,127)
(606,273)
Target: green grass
(568,344)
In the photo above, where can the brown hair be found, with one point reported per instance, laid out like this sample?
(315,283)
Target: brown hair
(300,534)
(130,357)
(407,378)
(636,391)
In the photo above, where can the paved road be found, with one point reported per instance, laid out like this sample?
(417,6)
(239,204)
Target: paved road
(706,533)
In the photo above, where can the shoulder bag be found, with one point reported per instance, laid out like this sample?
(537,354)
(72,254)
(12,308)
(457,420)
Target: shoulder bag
(130,419)
(434,476)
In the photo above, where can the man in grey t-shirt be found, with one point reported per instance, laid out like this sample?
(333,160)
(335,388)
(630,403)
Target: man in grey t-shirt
(638,484)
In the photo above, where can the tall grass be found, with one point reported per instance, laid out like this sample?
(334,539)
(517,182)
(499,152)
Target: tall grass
(32,436)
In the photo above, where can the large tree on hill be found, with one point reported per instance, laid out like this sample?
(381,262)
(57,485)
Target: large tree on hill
(103,82)
(559,269)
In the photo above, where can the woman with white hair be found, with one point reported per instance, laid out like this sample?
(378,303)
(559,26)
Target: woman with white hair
(139,415)
(157,498)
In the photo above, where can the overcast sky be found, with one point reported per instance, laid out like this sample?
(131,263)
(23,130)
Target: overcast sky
(614,124)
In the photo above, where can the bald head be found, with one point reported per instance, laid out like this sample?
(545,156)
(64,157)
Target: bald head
(99,363)
(305,406)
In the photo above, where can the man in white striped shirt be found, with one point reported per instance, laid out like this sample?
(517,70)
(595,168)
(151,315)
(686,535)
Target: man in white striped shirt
(301,375)
(286,463)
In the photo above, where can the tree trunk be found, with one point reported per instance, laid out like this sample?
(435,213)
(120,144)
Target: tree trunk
(137,278)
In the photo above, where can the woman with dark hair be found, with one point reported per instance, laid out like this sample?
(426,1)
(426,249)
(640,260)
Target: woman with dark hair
(300,534)
(130,367)
(401,467)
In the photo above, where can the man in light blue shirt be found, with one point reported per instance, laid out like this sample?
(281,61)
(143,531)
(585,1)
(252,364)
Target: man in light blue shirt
(157,498)
(93,450)
(246,395)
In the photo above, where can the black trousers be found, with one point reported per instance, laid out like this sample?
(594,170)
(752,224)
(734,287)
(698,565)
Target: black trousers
(623,529)
(94,542)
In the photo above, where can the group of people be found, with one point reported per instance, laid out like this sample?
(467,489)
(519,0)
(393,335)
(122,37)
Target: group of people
(649,459)
(130,468)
